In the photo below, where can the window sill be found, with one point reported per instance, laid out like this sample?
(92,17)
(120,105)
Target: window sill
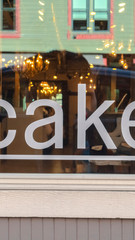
(67,196)
(9,34)
(69,182)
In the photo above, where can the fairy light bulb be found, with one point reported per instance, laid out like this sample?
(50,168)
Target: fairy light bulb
(125,66)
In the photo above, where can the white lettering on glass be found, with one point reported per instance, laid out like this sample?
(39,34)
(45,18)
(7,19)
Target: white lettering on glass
(11,133)
(126,123)
(57,118)
(84,124)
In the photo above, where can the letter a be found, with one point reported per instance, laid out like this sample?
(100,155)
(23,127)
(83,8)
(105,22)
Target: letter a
(84,124)
(57,118)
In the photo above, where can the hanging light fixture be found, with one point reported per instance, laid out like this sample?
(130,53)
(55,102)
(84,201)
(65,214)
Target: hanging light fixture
(27,68)
(49,89)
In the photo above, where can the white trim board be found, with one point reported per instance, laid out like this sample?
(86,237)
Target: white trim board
(67,157)
(67,195)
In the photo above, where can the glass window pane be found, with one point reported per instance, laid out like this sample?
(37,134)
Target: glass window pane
(101,16)
(8,3)
(79,15)
(8,20)
(101,25)
(98,4)
(81,4)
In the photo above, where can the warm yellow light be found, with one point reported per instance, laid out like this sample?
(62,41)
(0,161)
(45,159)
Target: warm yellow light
(121,10)
(97,57)
(99,49)
(41,3)
(113,26)
(91,80)
(93,13)
(122,61)
(125,66)
(81,77)
(107,45)
(40,18)
(122,4)
(91,66)
(122,28)
(10,61)
(114,69)
(55,77)
(47,61)
(41,12)
(120,46)
(113,53)
(3,59)
(91,20)
(112,42)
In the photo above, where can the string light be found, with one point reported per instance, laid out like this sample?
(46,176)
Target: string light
(55,77)
(125,65)
(122,60)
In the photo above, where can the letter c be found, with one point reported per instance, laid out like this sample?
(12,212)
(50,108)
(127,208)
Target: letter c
(11,114)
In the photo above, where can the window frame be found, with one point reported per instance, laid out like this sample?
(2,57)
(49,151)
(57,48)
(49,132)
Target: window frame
(95,34)
(102,11)
(81,10)
(12,33)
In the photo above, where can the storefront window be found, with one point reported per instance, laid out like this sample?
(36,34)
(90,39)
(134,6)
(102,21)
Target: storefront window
(67,87)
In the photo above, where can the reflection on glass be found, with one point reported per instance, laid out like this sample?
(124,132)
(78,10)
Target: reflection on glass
(101,16)
(8,3)
(8,20)
(100,5)
(78,4)
(79,21)
(31,79)
(85,45)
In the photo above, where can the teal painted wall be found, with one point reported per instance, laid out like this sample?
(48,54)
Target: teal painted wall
(51,33)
